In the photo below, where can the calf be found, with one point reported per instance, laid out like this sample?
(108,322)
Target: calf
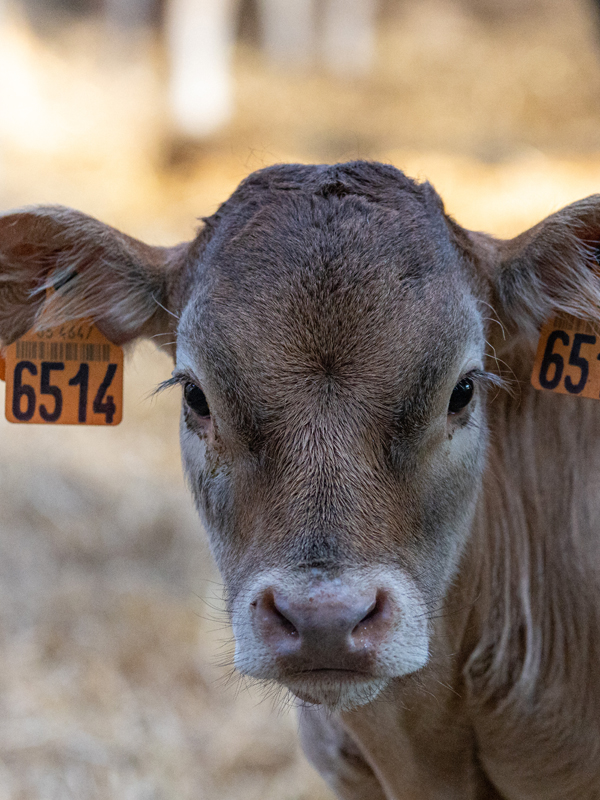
(406,546)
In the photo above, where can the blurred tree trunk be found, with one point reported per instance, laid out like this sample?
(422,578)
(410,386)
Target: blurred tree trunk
(199,35)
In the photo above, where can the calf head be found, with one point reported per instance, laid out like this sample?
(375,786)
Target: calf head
(330,328)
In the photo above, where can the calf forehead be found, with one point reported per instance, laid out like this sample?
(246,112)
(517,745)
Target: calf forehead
(309,285)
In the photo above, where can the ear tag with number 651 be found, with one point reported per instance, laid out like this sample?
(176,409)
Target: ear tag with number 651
(68,375)
(568,357)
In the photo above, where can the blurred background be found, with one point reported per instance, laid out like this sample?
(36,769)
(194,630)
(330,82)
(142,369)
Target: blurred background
(116,678)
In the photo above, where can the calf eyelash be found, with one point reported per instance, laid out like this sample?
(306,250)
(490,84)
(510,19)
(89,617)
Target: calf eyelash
(488,380)
(175,380)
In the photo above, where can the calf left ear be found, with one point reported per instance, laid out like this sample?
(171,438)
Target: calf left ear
(94,271)
(551,268)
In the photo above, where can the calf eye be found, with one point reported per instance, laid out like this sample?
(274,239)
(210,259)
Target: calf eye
(196,399)
(461,396)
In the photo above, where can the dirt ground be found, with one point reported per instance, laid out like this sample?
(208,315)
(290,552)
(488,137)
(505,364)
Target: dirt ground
(116,679)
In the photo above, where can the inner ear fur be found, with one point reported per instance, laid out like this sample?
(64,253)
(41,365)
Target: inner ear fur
(551,268)
(57,265)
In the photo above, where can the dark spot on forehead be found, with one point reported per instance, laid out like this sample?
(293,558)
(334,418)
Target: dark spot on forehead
(378,183)
(359,207)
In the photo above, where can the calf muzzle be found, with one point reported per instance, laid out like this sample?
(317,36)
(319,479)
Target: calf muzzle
(324,628)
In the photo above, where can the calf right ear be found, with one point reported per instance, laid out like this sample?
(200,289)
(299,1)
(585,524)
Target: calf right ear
(92,271)
(549,269)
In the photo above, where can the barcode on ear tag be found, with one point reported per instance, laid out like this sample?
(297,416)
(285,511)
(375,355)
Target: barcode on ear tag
(68,375)
(568,357)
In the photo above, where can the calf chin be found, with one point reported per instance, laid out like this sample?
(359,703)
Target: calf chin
(336,641)
(337,693)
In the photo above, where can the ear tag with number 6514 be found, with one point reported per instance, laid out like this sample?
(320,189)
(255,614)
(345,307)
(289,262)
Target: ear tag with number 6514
(68,375)
(568,357)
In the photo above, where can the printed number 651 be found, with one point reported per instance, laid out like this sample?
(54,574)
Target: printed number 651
(553,364)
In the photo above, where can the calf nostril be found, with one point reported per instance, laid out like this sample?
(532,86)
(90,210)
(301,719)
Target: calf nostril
(271,615)
(285,623)
(373,609)
(375,614)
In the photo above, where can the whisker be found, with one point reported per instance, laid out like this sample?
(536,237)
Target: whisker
(158,303)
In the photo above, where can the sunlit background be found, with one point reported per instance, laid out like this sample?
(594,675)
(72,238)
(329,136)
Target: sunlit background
(115,678)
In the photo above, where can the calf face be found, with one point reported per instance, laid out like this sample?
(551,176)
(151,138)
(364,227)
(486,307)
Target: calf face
(331,332)
(328,334)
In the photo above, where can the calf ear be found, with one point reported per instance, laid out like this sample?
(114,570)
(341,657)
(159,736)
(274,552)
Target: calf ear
(553,267)
(95,271)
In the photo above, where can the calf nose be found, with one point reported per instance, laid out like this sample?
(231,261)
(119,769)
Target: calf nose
(327,628)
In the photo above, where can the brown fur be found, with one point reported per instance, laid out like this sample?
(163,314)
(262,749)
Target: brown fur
(327,312)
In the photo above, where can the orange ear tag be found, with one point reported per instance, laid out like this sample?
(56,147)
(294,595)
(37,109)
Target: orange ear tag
(568,357)
(68,375)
